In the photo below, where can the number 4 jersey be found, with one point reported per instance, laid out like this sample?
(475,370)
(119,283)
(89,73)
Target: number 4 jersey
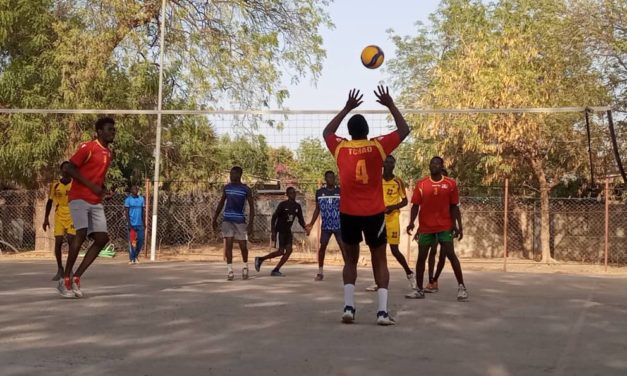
(360,165)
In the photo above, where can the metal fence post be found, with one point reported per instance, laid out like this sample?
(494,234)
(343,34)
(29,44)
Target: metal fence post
(147,216)
(607,219)
(505,223)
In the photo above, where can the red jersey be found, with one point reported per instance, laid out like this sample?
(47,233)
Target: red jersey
(435,199)
(92,161)
(360,165)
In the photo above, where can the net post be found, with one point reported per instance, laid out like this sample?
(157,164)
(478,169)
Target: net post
(505,223)
(155,198)
(607,219)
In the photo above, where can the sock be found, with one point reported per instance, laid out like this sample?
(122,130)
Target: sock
(246,265)
(383,299)
(320,270)
(349,295)
(229,268)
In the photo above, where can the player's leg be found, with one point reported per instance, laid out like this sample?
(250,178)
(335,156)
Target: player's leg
(98,231)
(325,236)
(351,237)
(139,242)
(432,286)
(425,242)
(340,243)
(440,267)
(447,247)
(58,243)
(228,254)
(376,238)
(80,217)
(131,250)
(285,244)
(242,239)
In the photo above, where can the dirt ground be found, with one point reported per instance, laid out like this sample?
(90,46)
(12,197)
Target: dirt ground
(184,318)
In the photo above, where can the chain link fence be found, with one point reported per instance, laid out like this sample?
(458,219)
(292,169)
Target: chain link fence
(577,232)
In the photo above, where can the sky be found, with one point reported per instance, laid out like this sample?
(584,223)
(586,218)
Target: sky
(358,23)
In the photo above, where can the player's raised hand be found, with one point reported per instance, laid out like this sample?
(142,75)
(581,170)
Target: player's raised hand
(383,96)
(354,99)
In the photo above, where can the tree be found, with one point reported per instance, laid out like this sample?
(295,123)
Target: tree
(508,54)
(104,54)
(312,161)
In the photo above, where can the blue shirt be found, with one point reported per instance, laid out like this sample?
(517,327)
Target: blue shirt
(235,201)
(329,203)
(135,207)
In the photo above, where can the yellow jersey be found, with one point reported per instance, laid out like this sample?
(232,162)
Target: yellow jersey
(58,195)
(393,192)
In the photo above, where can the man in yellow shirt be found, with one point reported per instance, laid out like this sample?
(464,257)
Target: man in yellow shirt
(395,198)
(62,219)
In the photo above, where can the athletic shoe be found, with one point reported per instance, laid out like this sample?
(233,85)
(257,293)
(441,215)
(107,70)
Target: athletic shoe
(64,291)
(372,288)
(58,275)
(411,277)
(384,319)
(244,273)
(417,294)
(76,287)
(230,276)
(319,277)
(432,287)
(462,294)
(258,262)
(131,262)
(137,261)
(276,273)
(348,317)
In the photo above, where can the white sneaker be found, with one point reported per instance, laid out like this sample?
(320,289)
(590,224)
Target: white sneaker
(462,294)
(348,317)
(230,276)
(384,319)
(417,294)
(63,291)
(372,287)
(245,273)
(411,277)
(76,287)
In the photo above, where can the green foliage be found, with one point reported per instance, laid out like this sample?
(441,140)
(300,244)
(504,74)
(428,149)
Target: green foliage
(312,160)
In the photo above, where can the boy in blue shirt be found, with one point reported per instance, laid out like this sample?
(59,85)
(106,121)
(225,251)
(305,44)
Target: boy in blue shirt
(135,204)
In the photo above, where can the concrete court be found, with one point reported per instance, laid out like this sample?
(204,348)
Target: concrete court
(184,318)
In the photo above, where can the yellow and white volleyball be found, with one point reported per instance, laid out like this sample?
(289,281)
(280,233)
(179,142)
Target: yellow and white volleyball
(372,57)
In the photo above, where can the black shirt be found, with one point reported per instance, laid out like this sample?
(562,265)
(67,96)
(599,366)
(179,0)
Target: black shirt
(284,216)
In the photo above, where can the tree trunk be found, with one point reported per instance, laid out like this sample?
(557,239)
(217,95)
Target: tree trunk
(545,222)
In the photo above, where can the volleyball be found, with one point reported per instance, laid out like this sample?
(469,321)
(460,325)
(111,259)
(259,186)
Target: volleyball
(372,57)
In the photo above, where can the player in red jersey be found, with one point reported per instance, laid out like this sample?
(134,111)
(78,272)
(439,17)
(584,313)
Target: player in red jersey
(360,165)
(436,198)
(88,169)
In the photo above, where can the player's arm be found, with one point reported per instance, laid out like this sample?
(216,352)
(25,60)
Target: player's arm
(456,215)
(354,100)
(214,224)
(314,217)
(48,209)
(412,218)
(273,222)
(384,97)
(301,219)
(72,169)
(251,211)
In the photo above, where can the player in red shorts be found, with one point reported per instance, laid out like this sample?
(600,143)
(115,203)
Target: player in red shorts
(436,200)
(360,165)
(88,169)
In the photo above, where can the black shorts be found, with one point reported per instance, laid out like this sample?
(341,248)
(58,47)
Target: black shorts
(284,240)
(372,226)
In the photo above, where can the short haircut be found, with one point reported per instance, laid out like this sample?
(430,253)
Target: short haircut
(327,172)
(391,156)
(238,169)
(290,189)
(438,157)
(100,123)
(358,126)
(63,164)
